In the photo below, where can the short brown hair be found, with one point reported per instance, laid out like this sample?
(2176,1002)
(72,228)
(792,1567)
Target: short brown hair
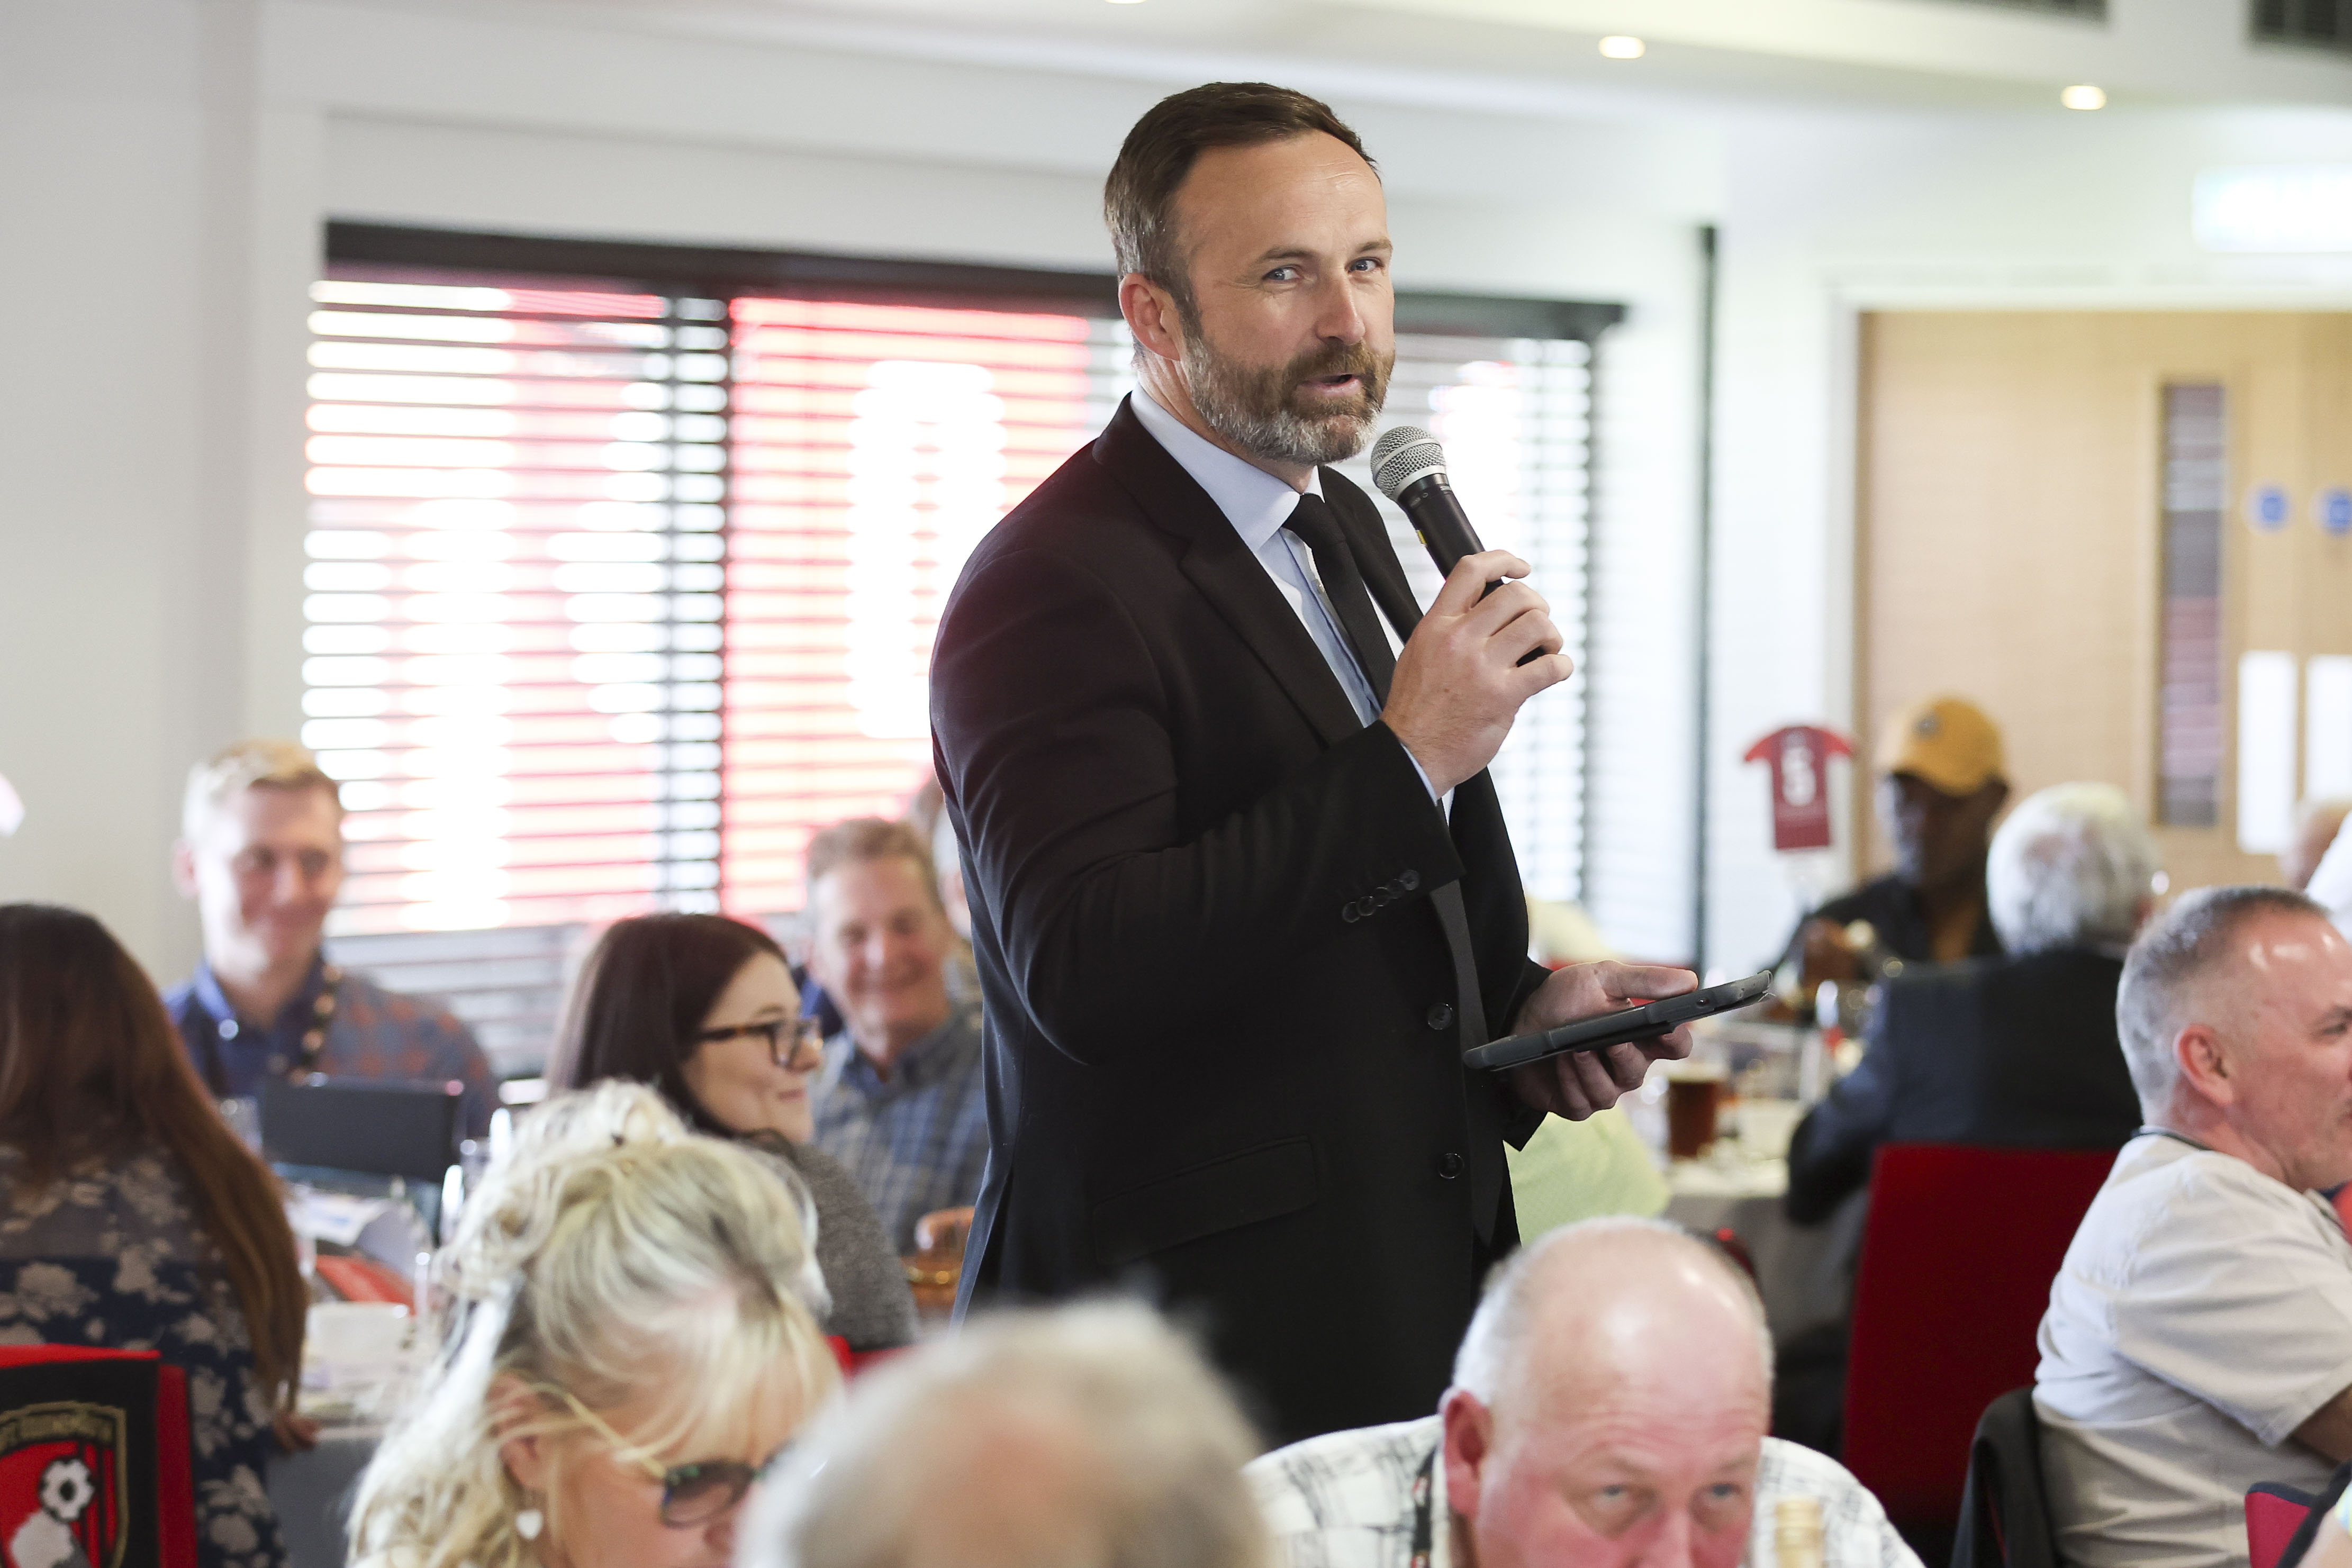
(863,839)
(1139,197)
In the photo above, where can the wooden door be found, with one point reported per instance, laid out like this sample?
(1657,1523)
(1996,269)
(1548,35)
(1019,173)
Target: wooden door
(2011,534)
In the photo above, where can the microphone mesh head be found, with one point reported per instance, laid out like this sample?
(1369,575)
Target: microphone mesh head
(1403,454)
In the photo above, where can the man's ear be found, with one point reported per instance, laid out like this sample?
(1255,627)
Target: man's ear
(183,867)
(1151,316)
(1468,1443)
(2205,1065)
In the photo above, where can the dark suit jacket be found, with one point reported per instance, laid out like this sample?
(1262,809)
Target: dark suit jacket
(2015,1051)
(1222,1053)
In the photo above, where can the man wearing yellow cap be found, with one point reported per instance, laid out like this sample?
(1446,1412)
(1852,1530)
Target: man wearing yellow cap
(1941,785)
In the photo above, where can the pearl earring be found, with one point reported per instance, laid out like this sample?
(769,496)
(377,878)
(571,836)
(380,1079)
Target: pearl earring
(530,1523)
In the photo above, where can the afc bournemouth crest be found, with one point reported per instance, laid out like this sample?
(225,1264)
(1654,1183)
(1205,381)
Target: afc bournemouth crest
(62,1472)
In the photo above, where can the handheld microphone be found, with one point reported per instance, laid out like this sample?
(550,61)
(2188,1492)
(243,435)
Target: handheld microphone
(1409,466)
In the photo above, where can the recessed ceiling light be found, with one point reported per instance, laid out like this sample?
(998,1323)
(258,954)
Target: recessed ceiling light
(2084,96)
(1618,46)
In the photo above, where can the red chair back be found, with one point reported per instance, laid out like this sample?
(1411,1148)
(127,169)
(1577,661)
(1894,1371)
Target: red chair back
(1956,1259)
(94,1447)
(2273,1513)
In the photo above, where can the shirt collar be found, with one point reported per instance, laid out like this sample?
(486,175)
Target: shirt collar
(1255,502)
(205,988)
(917,1064)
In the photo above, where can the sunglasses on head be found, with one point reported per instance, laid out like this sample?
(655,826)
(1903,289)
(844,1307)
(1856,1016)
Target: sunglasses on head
(790,1040)
(692,1494)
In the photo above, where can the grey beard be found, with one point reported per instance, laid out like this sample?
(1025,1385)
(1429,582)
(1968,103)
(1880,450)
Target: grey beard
(1221,393)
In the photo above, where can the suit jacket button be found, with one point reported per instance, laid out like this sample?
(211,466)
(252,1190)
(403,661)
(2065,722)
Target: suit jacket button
(1441,1015)
(1411,879)
(1351,913)
(1449,1166)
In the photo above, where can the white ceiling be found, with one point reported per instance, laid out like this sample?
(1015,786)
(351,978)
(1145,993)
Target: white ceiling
(1539,55)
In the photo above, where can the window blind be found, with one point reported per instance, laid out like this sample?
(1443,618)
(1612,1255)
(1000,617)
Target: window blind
(616,593)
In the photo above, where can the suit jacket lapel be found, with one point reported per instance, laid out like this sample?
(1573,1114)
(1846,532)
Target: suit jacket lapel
(1224,569)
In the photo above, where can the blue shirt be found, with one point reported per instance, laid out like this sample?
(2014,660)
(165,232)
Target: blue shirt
(917,1140)
(374,1033)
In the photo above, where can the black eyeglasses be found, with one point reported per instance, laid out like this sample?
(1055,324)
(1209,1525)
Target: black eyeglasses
(692,1494)
(807,1040)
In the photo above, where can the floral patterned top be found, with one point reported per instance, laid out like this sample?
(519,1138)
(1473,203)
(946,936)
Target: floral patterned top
(113,1257)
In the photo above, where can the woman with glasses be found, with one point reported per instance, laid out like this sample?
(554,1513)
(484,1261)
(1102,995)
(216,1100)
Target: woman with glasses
(704,1008)
(628,1345)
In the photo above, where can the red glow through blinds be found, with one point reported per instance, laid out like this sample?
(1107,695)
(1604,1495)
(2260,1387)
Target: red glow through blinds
(873,444)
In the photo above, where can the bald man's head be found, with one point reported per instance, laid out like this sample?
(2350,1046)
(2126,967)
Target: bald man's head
(1611,1401)
(1064,1439)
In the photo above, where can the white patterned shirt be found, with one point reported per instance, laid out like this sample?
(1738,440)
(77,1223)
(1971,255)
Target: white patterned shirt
(1356,1499)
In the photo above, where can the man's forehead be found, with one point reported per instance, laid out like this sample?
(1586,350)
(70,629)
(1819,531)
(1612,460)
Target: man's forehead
(261,811)
(1269,192)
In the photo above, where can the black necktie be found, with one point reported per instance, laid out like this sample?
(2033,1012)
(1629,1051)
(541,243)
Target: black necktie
(1343,585)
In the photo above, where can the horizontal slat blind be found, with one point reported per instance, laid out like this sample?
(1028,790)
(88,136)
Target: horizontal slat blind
(513,642)
(873,444)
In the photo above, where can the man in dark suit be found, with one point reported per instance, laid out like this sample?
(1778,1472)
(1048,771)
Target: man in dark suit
(2019,1049)
(1241,889)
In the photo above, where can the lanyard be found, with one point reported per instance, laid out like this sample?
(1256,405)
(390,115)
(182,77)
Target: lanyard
(306,1056)
(1424,1528)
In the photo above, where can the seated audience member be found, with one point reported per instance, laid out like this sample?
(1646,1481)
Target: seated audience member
(1609,1406)
(132,1218)
(2016,1050)
(2317,825)
(2199,1333)
(1084,1435)
(261,853)
(629,1344)
(704,1008)
(899,1100)
(1941,787)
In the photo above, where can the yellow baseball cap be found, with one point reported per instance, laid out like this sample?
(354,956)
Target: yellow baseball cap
(1946,741)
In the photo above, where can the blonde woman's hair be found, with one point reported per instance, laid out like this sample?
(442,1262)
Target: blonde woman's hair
(244,765)
(613,1255)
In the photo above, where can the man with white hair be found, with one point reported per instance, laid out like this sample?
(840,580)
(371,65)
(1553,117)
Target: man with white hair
(1082,1437)
(2017,1049)
(2199,1333)
(1609,1406)
(261,854)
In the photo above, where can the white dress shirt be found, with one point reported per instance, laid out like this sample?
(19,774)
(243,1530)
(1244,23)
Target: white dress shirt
(1257,504)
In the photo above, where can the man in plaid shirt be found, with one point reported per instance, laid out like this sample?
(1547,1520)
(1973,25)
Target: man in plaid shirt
(261,853)
(899,1101)
(1609,1406)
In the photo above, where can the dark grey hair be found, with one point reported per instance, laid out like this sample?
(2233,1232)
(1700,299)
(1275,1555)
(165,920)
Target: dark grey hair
(2178,951)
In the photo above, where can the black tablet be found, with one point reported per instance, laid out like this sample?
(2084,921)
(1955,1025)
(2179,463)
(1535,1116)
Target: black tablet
(1644,1023)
